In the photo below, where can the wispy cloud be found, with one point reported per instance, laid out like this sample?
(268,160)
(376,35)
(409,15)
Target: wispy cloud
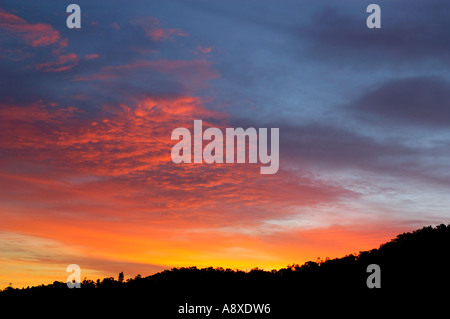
(37,34)
(155,31)
(63,63)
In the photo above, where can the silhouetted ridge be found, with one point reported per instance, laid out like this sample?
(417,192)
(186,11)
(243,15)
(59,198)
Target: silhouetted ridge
(413,263)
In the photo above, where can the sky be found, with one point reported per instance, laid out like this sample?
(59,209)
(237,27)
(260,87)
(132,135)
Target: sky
(86,117)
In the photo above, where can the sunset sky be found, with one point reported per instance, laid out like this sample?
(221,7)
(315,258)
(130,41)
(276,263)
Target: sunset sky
(86,116)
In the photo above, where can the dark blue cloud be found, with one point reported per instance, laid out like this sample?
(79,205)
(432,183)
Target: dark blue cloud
(422,101)
(411,31)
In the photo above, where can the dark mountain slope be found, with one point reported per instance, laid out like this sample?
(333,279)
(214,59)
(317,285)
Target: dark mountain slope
(413,265)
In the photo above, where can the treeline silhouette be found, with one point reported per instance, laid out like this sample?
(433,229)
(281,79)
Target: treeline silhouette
(414,263)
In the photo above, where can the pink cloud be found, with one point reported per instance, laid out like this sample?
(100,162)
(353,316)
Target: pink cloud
(192,73)
(91,56)
(62,63)
(115,26)
(38,34)
(204,50)
(154,31)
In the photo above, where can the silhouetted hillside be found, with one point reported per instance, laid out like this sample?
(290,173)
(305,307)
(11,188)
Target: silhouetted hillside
(412,264)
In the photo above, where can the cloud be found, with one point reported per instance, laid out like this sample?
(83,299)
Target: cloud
(334,149)
(115,26)
(142,78)
(417,101)
(411,31)
(38,34)
(133,145)
(155,32)
(63,62)
(339,147)
(91,56)
(204,49)
(183,68)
